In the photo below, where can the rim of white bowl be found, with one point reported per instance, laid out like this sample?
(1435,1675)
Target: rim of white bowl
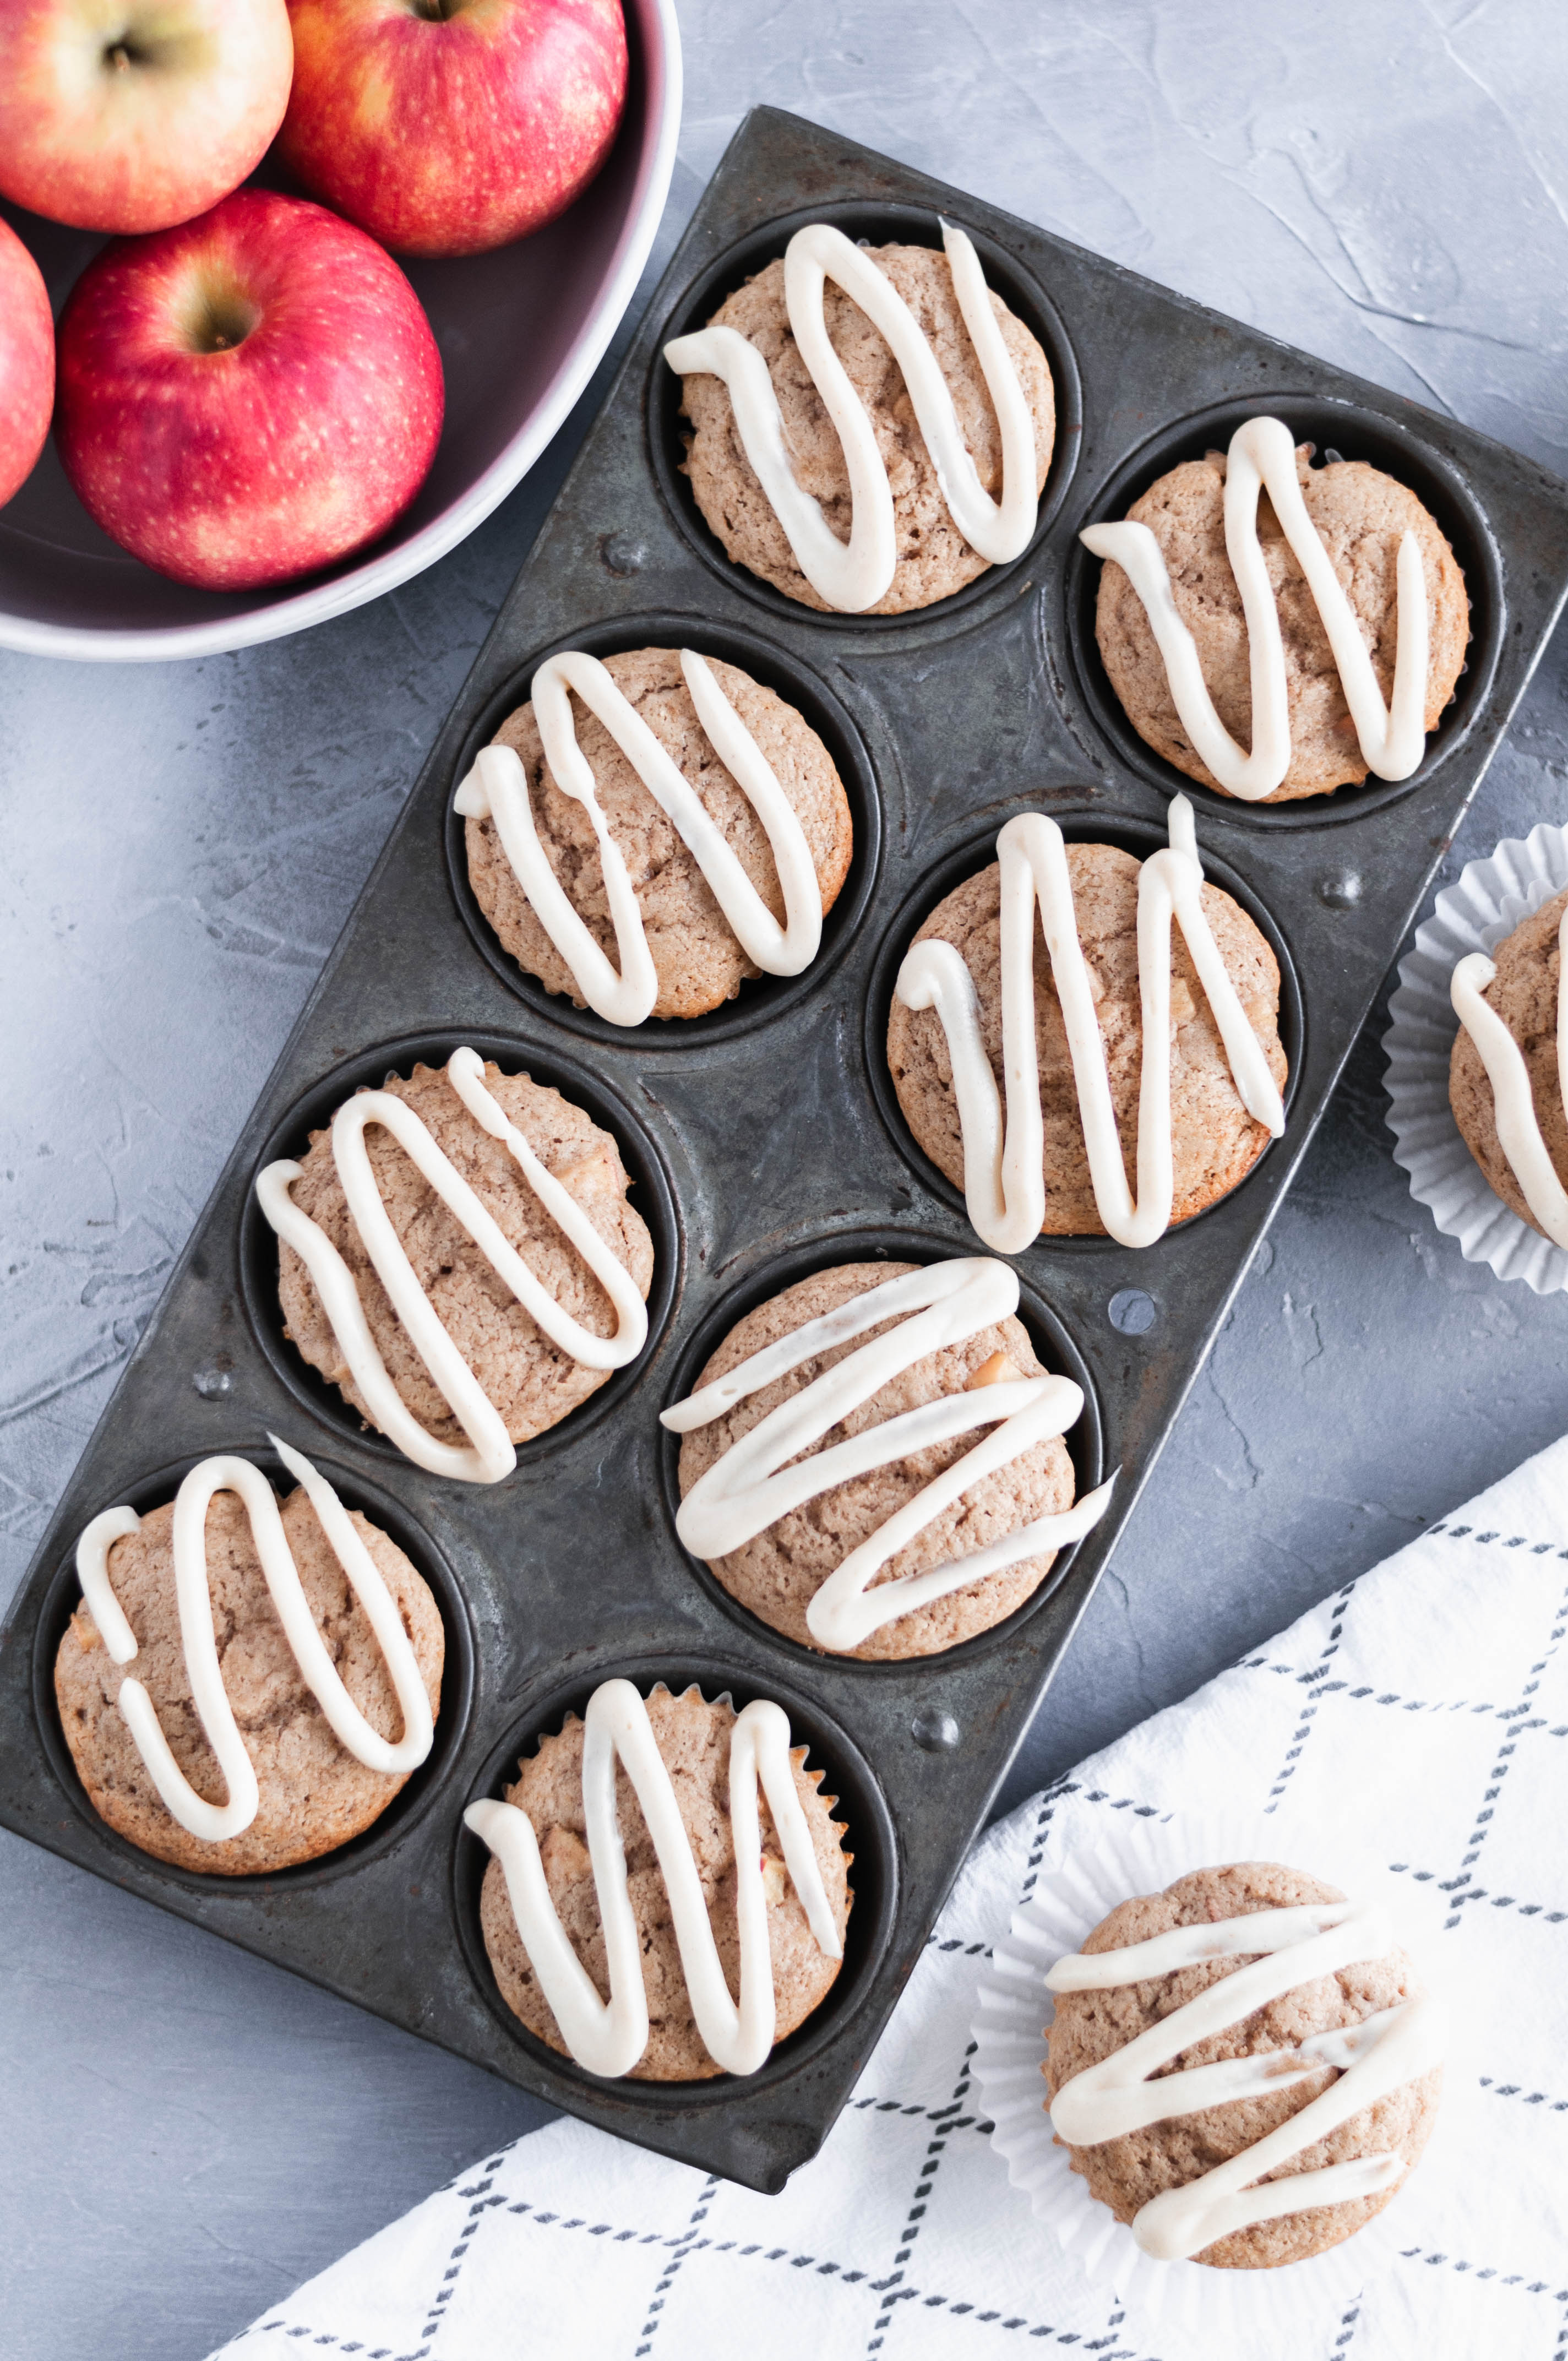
(663,66)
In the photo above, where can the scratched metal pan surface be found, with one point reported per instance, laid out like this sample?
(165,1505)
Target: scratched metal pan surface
(765,1141)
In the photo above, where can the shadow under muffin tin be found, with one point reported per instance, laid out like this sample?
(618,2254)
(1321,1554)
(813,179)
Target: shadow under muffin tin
(765,1142)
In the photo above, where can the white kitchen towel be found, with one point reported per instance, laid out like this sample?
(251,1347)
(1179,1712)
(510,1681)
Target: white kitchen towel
(1422,1710)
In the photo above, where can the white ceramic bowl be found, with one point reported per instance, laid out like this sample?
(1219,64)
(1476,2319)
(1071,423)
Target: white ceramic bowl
(521,331)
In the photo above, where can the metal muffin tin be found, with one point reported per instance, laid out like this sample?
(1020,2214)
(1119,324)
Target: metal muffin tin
(765,1141)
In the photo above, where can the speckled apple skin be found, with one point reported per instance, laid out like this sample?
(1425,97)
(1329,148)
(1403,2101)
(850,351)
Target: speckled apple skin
(234,469)
(450,135)
(155,143)
(27,362)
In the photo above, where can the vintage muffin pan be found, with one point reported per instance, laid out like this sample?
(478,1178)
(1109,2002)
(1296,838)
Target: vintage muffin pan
(764,1141)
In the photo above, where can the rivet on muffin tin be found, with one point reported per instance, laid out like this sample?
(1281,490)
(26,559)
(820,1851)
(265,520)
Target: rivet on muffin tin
(1351,433)
(653,1197)
(876,224)
(1131,1311)
(936,1731)
(1079,825)
(458,1679)
(765,997)
(1340,889)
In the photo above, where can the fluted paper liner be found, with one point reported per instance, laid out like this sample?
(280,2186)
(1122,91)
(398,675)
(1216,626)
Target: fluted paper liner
(1489,901)
(1073,1895)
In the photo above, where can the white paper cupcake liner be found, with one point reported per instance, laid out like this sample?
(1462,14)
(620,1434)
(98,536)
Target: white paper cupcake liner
(1488,902)
(1236,2310)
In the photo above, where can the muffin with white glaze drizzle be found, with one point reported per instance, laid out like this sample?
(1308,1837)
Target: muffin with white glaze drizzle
(718,1825)
(874,1461)
(1243,2040)
(289,1742)
(894,525)
(459,1258)
(1071,1150)
(1184,650)
(1505,1079)
(698,959)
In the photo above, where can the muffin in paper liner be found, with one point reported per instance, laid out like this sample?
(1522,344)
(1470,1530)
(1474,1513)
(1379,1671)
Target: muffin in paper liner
(1491,899)
(1072,1894)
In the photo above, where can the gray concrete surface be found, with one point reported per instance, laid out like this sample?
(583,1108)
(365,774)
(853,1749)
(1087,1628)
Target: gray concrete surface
(187,2133)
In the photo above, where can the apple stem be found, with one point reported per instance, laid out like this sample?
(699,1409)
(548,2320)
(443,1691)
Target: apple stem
(119,58)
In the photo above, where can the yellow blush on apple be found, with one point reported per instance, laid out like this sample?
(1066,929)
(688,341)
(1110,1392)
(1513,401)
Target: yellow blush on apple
(249,396)
(133,114)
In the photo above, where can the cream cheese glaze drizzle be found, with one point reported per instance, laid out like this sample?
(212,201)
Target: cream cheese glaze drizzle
(852,575)
(1513,1102)
(214,1823)
(1126,2091)
(489,1454)
(609,2040)
(754,1484)
(1392,739)
(496,788)
(1005,1189)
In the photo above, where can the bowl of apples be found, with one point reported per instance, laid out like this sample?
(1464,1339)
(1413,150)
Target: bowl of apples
(292,292)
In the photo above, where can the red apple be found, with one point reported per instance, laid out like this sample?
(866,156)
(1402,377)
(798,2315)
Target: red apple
(447,126)
(27,362)
(249,396)
(131,114)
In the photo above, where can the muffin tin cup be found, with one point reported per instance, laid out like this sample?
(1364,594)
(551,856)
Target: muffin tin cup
(870,224)
(652,1196)
(869,1835)
(424,1788)
(1054,1347)
(967,860)
(761,998)
(762,1142)
(1348,431)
